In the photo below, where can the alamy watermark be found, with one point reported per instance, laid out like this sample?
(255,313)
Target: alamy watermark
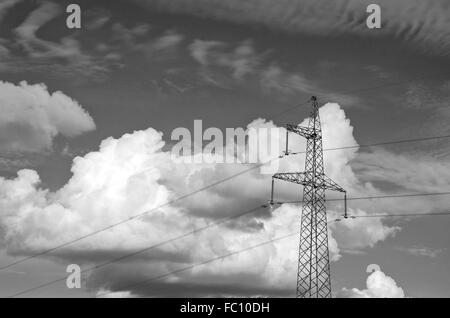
(74,278)
(373,21)
(254,145)
(73,20)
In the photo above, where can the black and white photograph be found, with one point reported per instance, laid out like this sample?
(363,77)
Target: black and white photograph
(225,149)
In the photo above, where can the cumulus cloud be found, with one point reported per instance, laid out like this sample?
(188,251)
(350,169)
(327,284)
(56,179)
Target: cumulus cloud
(131,175)
(32,117)
(379,285)
(424,23)
(362,232)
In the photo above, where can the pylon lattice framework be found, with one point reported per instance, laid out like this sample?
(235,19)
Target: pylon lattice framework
(313,276)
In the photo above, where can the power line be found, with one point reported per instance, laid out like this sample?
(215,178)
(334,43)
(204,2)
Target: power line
(128,219)
(399,215)
(203,228)
(184,197)
(393,142)
(361,90)
(183,269)
(204,262)
(228,254)
(226,179)
(188,195)
(161,276)
(373,197)
(289,109)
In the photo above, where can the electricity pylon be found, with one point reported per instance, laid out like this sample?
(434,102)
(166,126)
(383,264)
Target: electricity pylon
(313,276)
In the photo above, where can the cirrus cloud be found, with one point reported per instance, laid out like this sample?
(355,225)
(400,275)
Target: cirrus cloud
(423,23)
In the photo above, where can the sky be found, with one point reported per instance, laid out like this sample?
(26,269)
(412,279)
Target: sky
(88,115)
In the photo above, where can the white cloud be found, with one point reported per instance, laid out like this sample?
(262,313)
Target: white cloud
(379,285)
(361,233)
(109,294)
(32,117)
(132,174)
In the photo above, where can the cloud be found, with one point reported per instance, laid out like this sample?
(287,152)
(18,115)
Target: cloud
(200,50)
(26,32)
(162,47)
(422,23)
(379,285)
(5,5)
(28,49)
(132,174)
(96,18)
(411,171)
(13,164)
(241,60)
(108,294)
(242,64)
(361,233)
(421,251)
(168,40)
(32,117)
(129,36)
(137,38)
(273,78)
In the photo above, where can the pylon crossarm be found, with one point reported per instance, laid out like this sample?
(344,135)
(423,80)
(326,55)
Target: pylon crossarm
(329,184)
(295,177)
(306,132)
(306,178)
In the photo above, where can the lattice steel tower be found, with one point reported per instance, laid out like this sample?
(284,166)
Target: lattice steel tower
(313,277)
